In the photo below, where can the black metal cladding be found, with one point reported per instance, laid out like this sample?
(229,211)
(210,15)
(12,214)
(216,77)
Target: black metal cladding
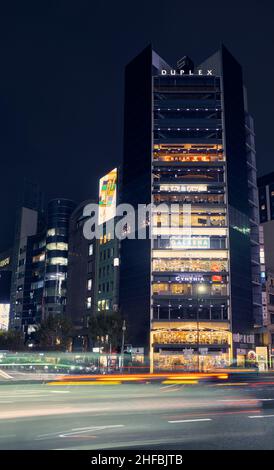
(237,181)
(135,254)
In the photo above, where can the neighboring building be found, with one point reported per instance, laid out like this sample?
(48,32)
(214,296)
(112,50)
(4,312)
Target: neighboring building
(29,221)
(40,259)
(56,256)
(268,335)
(266,206)
(189,140)
(108,246)
(27,226)
(81,277)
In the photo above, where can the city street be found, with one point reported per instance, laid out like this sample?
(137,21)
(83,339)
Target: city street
(223,415)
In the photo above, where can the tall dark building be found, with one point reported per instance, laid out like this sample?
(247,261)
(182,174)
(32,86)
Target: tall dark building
(192,292)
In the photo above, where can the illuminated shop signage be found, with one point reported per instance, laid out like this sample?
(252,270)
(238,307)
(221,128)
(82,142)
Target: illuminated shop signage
(217,278)
(187,242)
(208,72)
(190,278)
(107,196)
(184,188)
(4,316)
(246,339)
(4,262)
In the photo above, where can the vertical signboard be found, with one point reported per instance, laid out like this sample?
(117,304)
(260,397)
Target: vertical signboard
(107,196)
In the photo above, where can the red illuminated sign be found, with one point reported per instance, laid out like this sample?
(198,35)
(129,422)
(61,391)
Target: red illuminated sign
(217,278)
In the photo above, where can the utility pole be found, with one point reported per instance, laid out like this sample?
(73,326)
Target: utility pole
(123,345)
(198,338)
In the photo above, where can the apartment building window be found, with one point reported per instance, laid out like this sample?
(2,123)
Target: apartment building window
(89,284)
(90,250)
(89,302)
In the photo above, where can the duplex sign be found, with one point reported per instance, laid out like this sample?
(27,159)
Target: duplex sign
(208,72)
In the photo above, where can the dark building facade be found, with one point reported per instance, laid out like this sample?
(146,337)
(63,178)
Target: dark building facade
(81,278)
(81,270)
(266,205)
(266,197)
(193,291)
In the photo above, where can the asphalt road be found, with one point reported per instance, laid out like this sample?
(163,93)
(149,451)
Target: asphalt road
(138,416)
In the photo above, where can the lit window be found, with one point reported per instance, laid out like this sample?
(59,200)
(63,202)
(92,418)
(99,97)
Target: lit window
(89,302)
(38,258)
(51,232)
(116,262)
(58,261)
(57,246)
(89,284)
(90,250)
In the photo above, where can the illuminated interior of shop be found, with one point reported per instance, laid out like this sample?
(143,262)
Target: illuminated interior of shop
(188,153)
(203,336)
(193,265)
(189,289)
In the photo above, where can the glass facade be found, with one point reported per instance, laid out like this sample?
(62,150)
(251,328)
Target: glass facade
(189,169)
(56,256)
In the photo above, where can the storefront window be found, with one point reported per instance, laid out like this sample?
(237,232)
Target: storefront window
(184,265)
(196,289)
(191,337)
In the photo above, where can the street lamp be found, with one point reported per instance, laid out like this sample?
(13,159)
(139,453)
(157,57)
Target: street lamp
(201,290)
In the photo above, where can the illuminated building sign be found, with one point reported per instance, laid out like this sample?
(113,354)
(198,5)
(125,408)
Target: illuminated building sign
(246,339)
(208,72)
(184,188)
(189,278)
(187,242)
(4,316)
(107,196)
(217,278)
(4,262)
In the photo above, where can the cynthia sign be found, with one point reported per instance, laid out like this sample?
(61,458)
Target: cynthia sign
(208,72)
(189,278)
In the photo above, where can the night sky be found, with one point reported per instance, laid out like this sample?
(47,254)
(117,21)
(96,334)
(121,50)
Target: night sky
(61,82)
